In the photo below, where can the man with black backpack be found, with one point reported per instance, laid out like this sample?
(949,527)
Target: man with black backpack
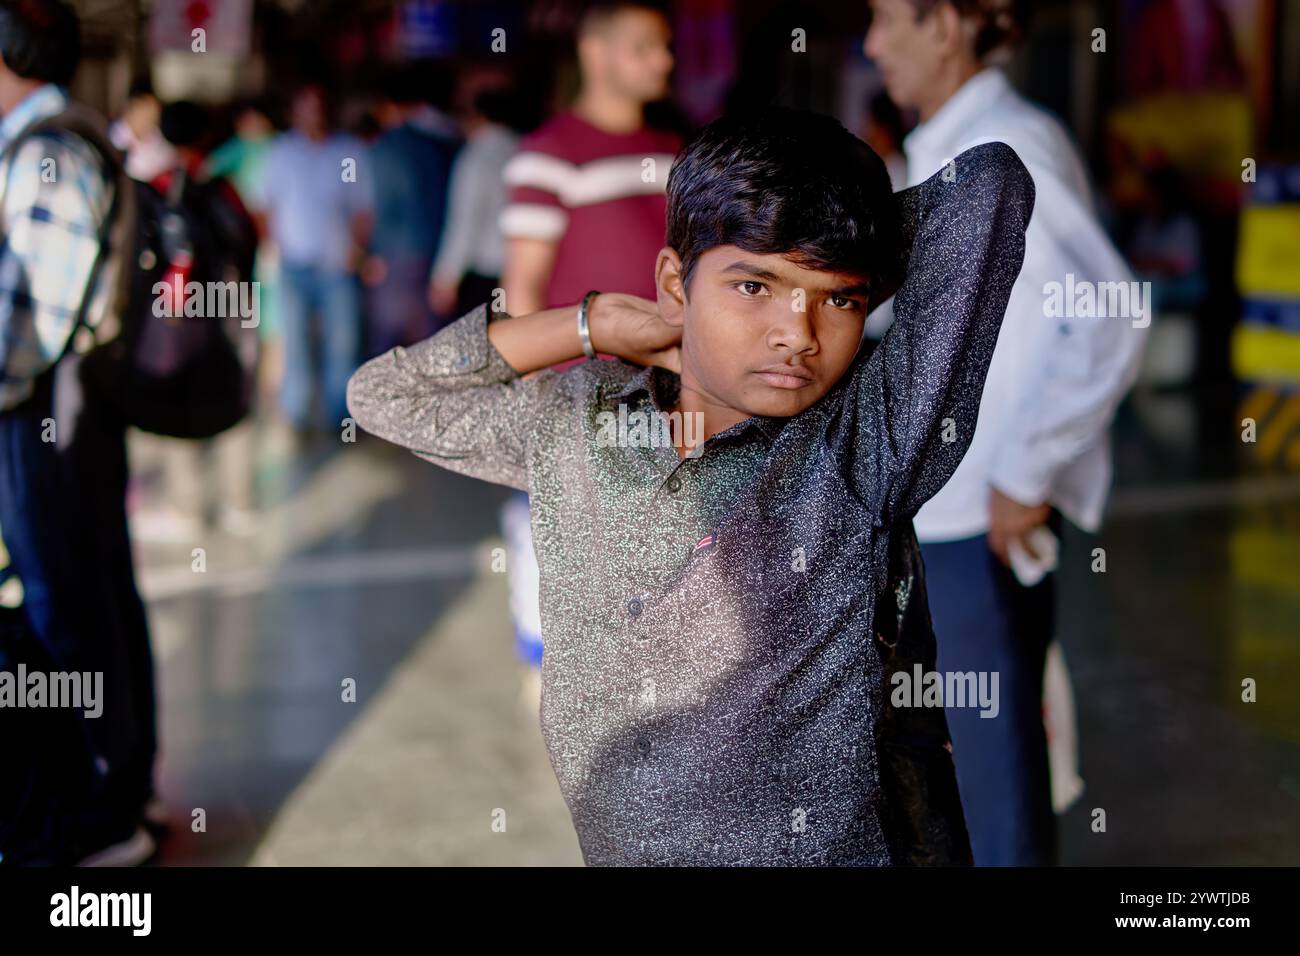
(74,784)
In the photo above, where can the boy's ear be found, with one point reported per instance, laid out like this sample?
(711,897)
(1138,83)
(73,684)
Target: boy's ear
(669,291)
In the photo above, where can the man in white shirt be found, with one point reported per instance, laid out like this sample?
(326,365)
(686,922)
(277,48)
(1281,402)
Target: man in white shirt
(1040,448)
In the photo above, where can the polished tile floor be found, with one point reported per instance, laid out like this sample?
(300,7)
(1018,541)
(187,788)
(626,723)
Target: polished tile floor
(340,687)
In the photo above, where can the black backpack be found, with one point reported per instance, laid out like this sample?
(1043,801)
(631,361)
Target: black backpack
(184,376)
(190,376)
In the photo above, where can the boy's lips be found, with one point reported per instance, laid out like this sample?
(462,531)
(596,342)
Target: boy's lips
(785,376)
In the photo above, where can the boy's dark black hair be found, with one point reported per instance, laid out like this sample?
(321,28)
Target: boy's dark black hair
(787,181)
(40,39)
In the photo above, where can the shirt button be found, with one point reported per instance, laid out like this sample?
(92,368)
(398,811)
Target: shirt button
(674,485)
(634,607)
(643,744)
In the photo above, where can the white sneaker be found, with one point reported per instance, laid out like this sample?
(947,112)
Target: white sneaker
(132,851)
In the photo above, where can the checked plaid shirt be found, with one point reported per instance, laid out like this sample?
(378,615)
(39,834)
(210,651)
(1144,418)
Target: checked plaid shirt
(54,195)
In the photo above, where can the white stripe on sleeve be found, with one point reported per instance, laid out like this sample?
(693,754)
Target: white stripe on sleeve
(523,220)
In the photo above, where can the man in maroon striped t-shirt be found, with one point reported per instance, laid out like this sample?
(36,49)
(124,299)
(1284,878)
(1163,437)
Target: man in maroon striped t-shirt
(586,207)
(586,210)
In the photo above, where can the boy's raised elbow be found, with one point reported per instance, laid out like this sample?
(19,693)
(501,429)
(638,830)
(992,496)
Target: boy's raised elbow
(365,394)
(1001,167)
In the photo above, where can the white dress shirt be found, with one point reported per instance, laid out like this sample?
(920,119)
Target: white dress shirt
(1055,383)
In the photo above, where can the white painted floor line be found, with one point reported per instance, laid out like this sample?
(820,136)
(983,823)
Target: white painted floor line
(362,567)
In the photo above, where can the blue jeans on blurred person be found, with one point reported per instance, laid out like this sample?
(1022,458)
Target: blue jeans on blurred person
(334,296)
(985,620)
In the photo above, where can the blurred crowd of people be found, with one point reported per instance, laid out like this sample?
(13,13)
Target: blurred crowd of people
(372,234)
(385,214)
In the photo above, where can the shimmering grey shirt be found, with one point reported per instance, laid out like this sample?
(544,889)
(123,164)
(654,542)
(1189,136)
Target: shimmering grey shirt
(712,683)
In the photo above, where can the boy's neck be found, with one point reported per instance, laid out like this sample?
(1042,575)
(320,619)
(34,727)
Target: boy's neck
(715,418)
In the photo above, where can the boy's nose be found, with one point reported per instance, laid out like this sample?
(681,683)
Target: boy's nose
(793,331)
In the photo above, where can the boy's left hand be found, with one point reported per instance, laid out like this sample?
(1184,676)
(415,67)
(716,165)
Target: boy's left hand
(1010,519)
(630,327)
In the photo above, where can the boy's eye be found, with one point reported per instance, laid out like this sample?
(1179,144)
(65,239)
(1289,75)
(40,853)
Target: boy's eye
(844,302)
(746,290)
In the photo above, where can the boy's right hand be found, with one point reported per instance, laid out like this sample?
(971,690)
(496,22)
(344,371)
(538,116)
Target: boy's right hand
(631,328)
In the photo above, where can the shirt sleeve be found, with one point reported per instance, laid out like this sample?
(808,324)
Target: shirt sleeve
(453,400)
(910,409)
(48,253)
(535,207)
(1083,365)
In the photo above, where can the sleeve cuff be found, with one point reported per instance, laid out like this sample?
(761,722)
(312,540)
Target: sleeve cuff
(1023,476)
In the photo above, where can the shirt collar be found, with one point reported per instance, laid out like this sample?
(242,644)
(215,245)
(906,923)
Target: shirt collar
(663,387)
(43,102)
(945,129)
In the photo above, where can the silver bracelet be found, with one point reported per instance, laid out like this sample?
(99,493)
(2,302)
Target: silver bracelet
(584,325)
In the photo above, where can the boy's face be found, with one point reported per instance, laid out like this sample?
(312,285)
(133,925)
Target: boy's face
(760,334)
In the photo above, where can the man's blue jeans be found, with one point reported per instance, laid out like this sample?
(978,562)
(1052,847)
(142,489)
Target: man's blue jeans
(334,296)
(985,620)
